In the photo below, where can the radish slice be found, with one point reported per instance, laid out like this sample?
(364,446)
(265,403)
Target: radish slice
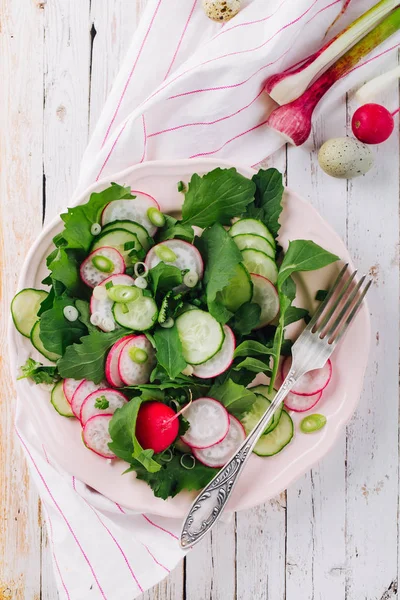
(83,390)
(103,306)
(187,256)
(114,263)
(221,361)
(115,400)
(130,371)
(301,403)
(112,372)
(96,436)
(266,296)
(131,210)
(209,423)
(69,387)
(312,382)
(216,456)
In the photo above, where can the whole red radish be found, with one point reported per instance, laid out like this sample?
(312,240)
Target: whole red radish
(157,426)
(372,124)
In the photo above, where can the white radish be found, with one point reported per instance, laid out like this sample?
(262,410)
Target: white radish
(83,390)
(216,456)
(299,403)
(112,372)
(266,296)
(96,436)
(221,361)
(131,210)
(100,265)
(208,423)
(89,409)
(69,387)
(310,383)
(177,253)
(101,305)
(136,361)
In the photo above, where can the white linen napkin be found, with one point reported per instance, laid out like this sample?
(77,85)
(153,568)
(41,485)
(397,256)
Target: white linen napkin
(189,87)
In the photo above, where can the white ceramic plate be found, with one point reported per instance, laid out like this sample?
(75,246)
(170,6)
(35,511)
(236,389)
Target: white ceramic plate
(264,477)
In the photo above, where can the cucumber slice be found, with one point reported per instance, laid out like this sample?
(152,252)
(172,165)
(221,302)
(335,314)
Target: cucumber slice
(133,227)
(263,391)
(117,239)
(251,240)
(60,402)
(238,291)
(259,263)
(272,443)
(201,336)
(139,315)
(24,308)
(252,226)
(38,344)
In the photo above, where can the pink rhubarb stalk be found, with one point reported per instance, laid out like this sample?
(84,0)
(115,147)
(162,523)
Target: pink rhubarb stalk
(293,120)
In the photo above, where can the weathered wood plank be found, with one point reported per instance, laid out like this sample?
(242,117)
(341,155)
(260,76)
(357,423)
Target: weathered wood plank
(21,101)
(316,541)
(372,442)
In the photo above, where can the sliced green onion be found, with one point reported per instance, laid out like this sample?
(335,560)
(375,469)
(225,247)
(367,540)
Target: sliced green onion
(95,319)
(129,246)
(108,324)
(102,403)
(71,313)
(124,309)
(192,461)
(156,217)
(123,293)
(168,323)
(188,370)
(140,269)
(138,355)
(181,186)
(167,455)
(175,404)
(312,423)
(321,295)
(165,254)
(190,279)
(95,229)
(109,285)
(141,283)
(103,264)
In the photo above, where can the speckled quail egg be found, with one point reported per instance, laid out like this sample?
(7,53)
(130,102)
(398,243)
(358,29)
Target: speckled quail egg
(221,10)
(345,158)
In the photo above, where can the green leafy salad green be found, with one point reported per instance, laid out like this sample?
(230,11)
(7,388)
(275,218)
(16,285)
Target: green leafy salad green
(154,327)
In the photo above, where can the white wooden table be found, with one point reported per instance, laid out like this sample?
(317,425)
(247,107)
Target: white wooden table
(332,536)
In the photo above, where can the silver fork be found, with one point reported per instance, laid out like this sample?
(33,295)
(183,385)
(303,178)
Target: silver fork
(310,351)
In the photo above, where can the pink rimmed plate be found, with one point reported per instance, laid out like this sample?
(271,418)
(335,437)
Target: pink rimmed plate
(264,477)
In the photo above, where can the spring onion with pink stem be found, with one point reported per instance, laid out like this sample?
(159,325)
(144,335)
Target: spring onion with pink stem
(289,85)
(342,11)
(370,90)
(293,120)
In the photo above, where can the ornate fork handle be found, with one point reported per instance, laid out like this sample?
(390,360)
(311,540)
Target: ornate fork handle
(210,503)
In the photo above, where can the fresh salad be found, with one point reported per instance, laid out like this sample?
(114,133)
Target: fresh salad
(154,327)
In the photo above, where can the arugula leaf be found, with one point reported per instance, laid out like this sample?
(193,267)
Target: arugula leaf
(165,277)
(38,373)
(304,255)
(124,442)
(251,348)
(64,268)
(79,219)
(172,478)
(254,365)
(246,318)
(267,205)
(87,359)
(170,305)
(321,295)
(83,308)
(56,332)
(221,256)
(235,397)
(169,351)
(175,229)
(216,197)
(293,314)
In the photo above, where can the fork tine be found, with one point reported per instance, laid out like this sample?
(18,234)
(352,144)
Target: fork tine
(336,304)
(352,314)
(323,304)
(345,309)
